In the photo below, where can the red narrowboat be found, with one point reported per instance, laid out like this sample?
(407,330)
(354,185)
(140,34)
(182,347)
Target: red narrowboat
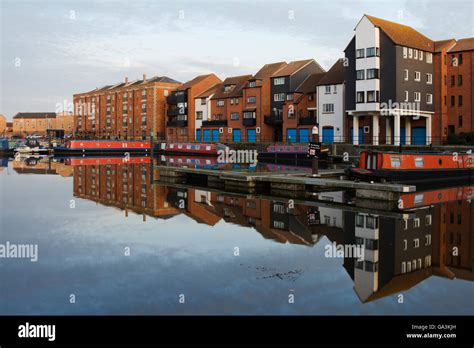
(412,167)
(87,161)
(195,149)
(74,147)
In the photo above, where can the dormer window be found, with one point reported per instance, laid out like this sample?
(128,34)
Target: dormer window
(252,83)
(227,88)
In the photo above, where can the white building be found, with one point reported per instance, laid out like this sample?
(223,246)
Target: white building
(330,104)
(202,107)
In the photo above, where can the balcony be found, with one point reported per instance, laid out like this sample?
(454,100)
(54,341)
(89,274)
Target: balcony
(176,111)
(249,122)
(177,123)
(308,120)
(214,123)
(273,119)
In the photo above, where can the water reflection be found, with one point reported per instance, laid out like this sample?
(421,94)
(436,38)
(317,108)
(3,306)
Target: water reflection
(430,234)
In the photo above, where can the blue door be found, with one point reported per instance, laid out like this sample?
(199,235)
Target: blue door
(207,135)
(198,135)
(215,135)
(418,136)
(328,135)
(361,136)
(291,135)
(251,135)
(304,135)
(403,139)
(236,135)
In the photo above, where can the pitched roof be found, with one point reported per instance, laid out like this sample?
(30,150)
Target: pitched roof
(268,70)
(238,81)
(335,75)
(310,83)
(403,34)
(466,44)
(35,115)
(443,44)
(195,81)
(292,67)
(208,92)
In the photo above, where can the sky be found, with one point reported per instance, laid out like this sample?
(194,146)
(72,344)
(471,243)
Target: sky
(53,49)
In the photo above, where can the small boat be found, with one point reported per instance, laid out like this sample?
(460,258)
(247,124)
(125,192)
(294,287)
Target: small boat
(412,167)
(196,149)
(290,154)
(83,147)
(29,147)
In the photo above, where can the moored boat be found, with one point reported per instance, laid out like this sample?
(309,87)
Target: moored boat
(195,149)
(81,147)
(289,154)
(412,167)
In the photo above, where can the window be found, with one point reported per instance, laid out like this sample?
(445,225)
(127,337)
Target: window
(453,100)
(395,161)
(421,55)
(428,220)
(429,78)
(203,101)
(416,243)
(459,80)
(220,102)
(408,266)
(372,51)
(404,267)
(249,114)
(410,53)
(360,220)
(232,101)
(371,244)
(460,59)
(227,88)
(460,121)
(143,107)
(460,100)
(279,97)
(415,54)
(406,75)
(198,115)
(372,96)
(406,96)
(429,98)
(419,162)
(252,84)
(428,238)
(360,53)
(405,244)
(417,96)
(371,266)
(234,116)
(372,223)
(279,81)
(236,101)
(405,52)
(416,222)
(419,263)
(360,97)
(251,100)
(360,75)
(372,74)
(452,80)
(289,96)
(327,90)
(429,57)
(417,76)
(334,89)
(328,108)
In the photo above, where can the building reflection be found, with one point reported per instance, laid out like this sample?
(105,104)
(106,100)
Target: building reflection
(432,236)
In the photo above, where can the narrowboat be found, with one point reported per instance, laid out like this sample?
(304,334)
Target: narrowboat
(196,149)
(88,161)
(82,147)
(289,154)
(5,147)
(412,167)
(415,200)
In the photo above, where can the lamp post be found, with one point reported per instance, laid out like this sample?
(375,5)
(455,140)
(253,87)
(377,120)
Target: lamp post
(315,139)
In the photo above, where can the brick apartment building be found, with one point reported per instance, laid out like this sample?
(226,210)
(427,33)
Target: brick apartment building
(181,107)
(460,81)
(3,125)
(27,123)
(127,110)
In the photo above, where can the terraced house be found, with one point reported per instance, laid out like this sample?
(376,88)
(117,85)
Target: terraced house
(126,110)
(225,119)
(389,84)
(181,107)
(284,84)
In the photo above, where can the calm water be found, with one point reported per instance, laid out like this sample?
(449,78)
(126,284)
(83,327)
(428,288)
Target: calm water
(182,241)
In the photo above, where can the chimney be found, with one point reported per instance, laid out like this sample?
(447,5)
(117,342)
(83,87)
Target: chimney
(144,77)
(126,79)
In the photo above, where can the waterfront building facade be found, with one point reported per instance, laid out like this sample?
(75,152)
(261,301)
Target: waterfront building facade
(38,123)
